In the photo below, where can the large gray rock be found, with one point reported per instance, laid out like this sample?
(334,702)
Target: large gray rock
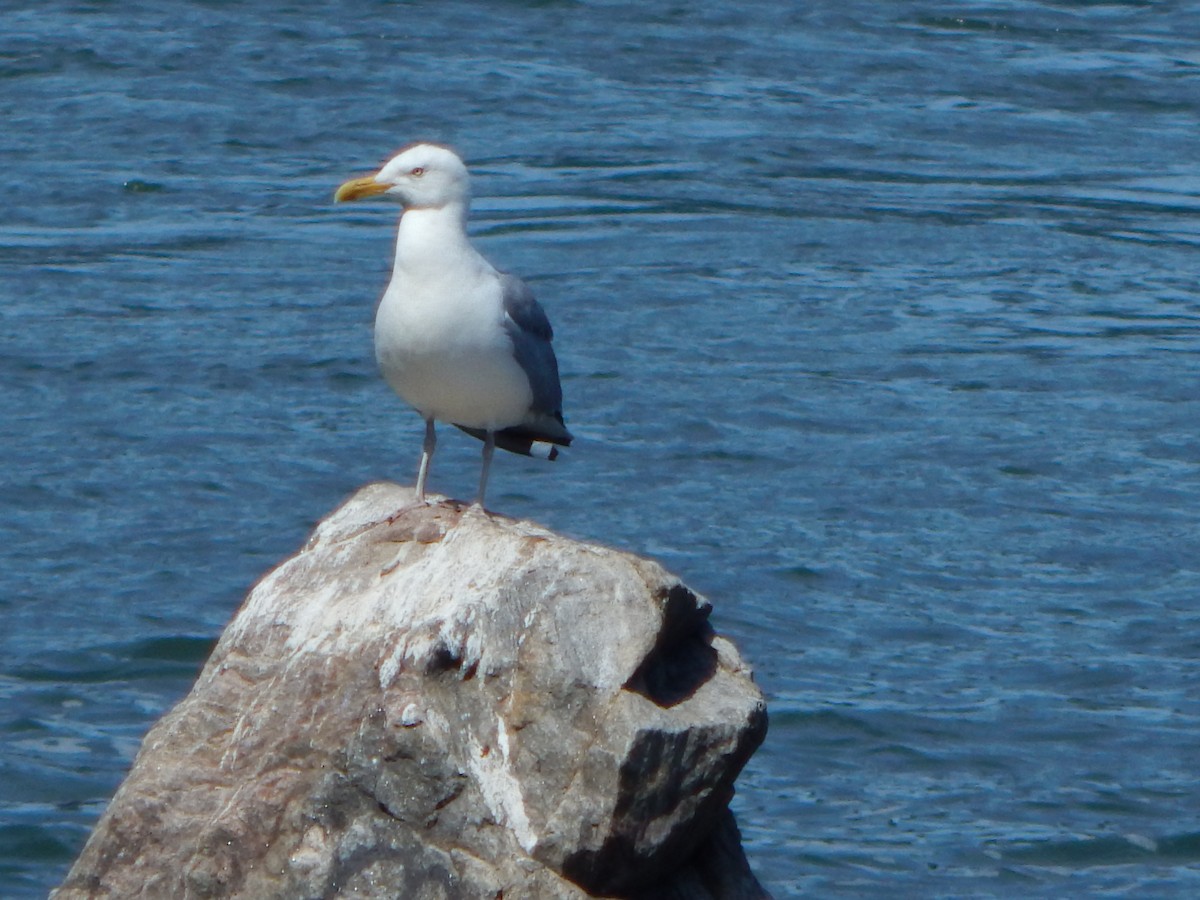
(431,702)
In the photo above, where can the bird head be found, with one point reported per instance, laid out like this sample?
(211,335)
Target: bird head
(420,176)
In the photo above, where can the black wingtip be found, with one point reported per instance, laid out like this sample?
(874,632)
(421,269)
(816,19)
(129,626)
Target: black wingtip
(524,441)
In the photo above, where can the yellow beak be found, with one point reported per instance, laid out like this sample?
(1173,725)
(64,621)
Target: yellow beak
(357,188)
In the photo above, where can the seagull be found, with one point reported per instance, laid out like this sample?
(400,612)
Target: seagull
(457,339)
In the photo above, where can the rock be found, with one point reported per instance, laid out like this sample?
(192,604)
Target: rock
(433,702)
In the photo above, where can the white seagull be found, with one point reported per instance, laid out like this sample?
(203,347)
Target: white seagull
(458,340)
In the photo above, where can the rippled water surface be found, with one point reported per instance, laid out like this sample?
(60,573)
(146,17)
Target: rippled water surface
(878,324)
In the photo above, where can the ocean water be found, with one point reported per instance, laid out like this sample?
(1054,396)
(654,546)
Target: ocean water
(878,323)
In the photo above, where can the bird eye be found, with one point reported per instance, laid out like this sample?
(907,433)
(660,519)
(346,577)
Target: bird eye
(417,172)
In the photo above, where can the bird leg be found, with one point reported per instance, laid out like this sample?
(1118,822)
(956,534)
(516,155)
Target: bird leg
(489,447)
(426,456)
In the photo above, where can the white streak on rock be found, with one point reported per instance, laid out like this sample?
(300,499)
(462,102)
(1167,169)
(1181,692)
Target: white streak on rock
(500,787)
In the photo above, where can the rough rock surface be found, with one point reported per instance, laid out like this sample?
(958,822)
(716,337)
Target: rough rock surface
(433,702)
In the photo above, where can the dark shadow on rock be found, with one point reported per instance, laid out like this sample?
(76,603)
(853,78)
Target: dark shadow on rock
(683,658)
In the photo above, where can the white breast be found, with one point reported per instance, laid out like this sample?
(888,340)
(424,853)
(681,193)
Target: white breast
(441,344)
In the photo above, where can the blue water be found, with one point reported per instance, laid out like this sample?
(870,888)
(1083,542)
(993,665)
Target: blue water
(879,324)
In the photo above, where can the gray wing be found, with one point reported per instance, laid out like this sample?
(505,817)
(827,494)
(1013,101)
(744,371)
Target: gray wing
(531,334)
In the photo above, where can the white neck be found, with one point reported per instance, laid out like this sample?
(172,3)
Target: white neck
(433,238)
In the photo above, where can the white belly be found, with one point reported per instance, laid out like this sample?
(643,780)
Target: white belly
(444,350)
